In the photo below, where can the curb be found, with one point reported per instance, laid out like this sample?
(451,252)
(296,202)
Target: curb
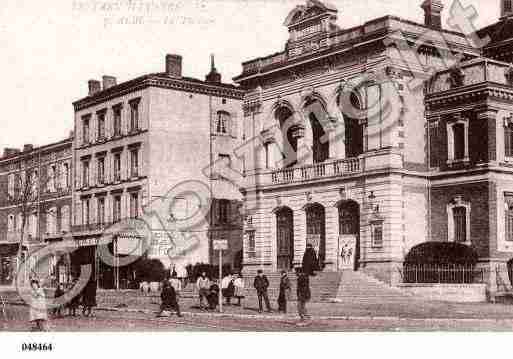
(295,317)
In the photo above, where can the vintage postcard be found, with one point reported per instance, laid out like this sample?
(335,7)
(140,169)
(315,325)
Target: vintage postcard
(255,165)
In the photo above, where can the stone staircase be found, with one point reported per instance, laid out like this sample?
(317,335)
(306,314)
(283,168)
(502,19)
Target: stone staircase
(345,286)
(357,287)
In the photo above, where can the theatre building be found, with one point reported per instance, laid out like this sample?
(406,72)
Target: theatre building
(35,189)
(138,139)
(369,155)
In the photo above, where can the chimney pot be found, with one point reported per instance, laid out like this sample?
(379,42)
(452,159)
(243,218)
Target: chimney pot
(108,82)
(94,87)
(174,65)
(433,13)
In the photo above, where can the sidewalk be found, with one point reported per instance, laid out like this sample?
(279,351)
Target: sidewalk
(131,301)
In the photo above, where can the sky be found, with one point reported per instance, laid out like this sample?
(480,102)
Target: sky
(52,48)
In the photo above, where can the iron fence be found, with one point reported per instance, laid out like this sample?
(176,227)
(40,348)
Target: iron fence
(443,273)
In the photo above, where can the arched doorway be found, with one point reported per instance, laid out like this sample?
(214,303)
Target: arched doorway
(349,235)
(316,230)
(285,238)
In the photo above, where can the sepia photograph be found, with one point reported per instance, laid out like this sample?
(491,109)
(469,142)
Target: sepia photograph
(255,166)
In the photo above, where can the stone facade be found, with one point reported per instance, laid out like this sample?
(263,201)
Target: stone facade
(171,128)
(357,120)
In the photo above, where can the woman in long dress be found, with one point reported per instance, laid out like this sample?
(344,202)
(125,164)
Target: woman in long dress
(38,310)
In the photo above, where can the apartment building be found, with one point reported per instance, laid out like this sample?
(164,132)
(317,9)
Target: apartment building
(138,139)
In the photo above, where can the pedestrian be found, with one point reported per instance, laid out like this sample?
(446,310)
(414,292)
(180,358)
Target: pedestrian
(59,292)
(74,302)
(238,283)
(89,298)
(310,261)
(176,283)
(303,292)
(203,286)
(228,288)
(38,314)
(284,295)
(213,295)
(261,283)
(169,299)
(181,272)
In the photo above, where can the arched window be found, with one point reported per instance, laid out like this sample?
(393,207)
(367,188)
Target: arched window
(222,122)
(354,140)
(458,218)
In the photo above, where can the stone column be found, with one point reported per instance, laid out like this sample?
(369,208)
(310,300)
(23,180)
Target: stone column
(299,235)
(332,230)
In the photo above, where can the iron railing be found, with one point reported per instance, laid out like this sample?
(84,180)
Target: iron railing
(442,273)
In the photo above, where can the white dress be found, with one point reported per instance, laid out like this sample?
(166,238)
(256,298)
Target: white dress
(38,310)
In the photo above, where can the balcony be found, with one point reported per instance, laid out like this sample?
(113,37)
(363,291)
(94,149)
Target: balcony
(315,171)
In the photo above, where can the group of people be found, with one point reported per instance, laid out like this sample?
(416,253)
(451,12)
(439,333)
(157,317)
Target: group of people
(232,286)
(261,284)
(38,314)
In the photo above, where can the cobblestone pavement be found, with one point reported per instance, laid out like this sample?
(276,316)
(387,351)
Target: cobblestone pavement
(131,321)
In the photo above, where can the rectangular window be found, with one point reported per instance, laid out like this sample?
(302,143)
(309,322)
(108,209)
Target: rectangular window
(460,224)
(65,176)
(507,6)
(377,234)
(11,186)
(101,125)
(509,216)
(101,210)
(434,145)
(116,209)
(508,140)
(459,141)
(134,115)
(134,163)
(52,173)
(117,120)
(85,173)
(85,129)
(251,244)
(117,167)
(86,211)
(101,170)
(134,205)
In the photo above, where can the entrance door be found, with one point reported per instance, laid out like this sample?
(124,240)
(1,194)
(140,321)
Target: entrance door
(316,231)
(349,235)
(285,237)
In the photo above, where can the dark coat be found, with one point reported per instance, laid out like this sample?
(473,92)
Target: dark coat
(168,296)
(310,261)
(303,287)
(75,301)
(89,294)
(213,296)
(261,284)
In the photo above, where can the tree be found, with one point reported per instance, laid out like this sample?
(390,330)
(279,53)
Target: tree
(28,186)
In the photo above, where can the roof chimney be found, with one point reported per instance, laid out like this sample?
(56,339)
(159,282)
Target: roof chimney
(433,13)
(8,152)
(506,8)
(94,87)
(174,65)
(213,76)
(108,81)
(28,147)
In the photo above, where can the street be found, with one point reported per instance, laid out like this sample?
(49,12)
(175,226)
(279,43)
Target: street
(128,321)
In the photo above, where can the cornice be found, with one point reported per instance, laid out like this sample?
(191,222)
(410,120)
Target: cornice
(179,84)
